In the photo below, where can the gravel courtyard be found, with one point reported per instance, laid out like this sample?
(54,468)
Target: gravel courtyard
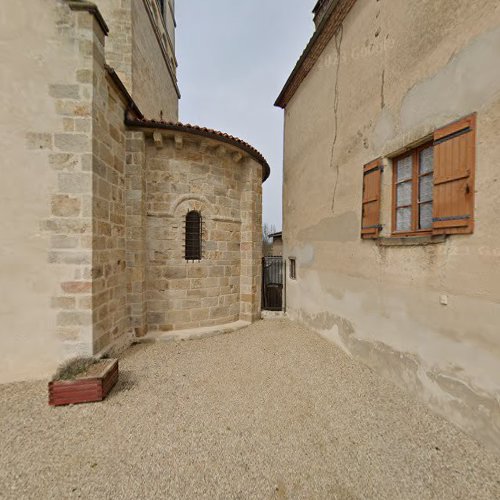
(272,411)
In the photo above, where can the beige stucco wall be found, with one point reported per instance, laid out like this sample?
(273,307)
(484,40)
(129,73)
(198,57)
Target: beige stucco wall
(396,72)
(46,107)
(277,247)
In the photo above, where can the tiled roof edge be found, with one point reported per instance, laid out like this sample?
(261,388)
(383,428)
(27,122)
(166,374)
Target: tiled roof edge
(324,33)
(204,132)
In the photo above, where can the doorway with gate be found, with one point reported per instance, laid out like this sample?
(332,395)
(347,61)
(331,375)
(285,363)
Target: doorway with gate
(273,288)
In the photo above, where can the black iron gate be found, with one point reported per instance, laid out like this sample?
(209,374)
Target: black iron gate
(272,283)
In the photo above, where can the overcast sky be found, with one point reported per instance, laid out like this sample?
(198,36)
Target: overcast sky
(234,58)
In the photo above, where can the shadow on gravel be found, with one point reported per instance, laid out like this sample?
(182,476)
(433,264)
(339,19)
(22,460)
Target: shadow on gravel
(126,382)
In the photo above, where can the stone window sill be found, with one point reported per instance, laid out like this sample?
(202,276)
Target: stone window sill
(411,241)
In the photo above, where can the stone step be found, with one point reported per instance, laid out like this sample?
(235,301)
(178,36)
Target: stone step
(194,333)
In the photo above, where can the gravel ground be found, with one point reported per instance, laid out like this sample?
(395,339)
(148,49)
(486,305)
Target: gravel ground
(272,411)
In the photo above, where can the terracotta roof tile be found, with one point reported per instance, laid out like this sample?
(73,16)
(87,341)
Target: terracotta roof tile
(205,132)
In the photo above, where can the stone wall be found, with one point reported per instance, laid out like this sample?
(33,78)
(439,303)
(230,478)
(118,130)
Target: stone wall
(186,176)
(92,235)
(154,86)
(251,242)
(426,317)
(139,50)
(118,16)
(109,270)
(135,179)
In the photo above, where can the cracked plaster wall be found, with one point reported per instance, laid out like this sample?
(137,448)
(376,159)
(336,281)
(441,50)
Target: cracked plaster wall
(400,70)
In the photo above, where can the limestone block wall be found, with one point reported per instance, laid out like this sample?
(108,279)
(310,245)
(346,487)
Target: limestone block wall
(135,217)
(251,242)
(187,175)
(118,16)
(154,82)
(110,314)
(143,54)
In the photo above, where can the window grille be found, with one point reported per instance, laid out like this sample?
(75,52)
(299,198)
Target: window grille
(193,236)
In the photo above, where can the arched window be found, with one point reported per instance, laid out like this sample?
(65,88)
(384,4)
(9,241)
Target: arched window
(193,236)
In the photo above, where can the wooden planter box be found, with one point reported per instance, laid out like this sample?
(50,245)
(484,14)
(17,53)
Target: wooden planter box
(84,389)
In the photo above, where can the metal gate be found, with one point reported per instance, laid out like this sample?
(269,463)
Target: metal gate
(272,283)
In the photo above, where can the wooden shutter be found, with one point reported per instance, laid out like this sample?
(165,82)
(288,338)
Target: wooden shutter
(372,183)
(454,168)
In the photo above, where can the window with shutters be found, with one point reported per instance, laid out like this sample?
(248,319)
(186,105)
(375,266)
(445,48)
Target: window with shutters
(432,186)
(193,236)
(413,188)
(454,174)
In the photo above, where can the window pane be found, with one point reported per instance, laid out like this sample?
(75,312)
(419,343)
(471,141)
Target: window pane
(403,219)
(404,194)
(426,188)
(405,168)
(427,160)
(426,216)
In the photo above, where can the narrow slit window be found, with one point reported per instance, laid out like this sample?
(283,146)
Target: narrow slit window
(293,270)
(193,241)
(162,7)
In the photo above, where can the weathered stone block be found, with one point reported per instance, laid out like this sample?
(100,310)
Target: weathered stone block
(38,140)
(156,318)
(69,226)
(85,302)
(84,75)
(65,205)
(61,241)
(63,302)
(179,316)
(82,125)
(75,182)
(75,143)
(73,108)
(61,91)
(64,161)
(135,145)
(77,287)
(69,257)
(74,318)
(68,333)
(200,314)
